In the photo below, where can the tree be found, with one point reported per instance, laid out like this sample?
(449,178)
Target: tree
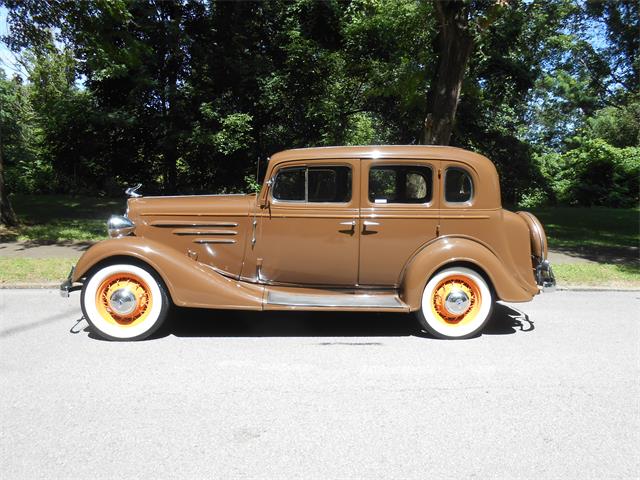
(460,24)
(7,215)
(7,120)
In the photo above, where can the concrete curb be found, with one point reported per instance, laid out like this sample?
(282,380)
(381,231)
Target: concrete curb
(35,285)
(589,288)
(564,288)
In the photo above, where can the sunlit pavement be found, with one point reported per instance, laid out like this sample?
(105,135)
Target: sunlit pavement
(551,392)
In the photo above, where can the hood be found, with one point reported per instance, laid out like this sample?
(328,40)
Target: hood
(192,205)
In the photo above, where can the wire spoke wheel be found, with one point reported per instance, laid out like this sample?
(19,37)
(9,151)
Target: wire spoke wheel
(124,302)
(124,299)
(456,303)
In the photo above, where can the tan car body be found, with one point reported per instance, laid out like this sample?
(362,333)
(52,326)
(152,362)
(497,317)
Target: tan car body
(237,251)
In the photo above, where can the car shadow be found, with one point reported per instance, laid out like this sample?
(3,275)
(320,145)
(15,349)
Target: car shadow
(194,322)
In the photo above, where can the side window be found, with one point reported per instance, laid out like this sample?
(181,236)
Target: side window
(329,184)
(400,184)
(458,186)
(290,185)
(313,184)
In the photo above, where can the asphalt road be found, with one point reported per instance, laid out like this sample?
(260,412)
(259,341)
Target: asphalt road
(549,393)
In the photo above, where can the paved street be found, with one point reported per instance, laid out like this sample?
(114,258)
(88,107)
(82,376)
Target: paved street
(321,396)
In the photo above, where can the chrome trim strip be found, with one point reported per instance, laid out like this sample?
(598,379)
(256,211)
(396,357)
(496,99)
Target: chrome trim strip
(205,232)
(193,214)
(162,224)
(213,240)
(340,300)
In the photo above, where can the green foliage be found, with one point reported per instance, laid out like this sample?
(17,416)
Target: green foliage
(595,173)
(617,125)
(186,96)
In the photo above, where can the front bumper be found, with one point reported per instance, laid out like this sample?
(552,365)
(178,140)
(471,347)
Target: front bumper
(66,287)
(544,276)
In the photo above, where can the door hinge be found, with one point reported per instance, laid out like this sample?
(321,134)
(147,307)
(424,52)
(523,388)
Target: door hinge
(437,230)
(439,173)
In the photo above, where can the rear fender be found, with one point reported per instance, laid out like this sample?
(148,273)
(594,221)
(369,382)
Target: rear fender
(188,282)
(449,250)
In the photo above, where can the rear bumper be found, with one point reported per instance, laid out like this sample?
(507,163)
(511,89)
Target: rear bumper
(544,276)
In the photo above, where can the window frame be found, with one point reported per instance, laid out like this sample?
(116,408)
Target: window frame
(408,164)
(444,186)
(306,168)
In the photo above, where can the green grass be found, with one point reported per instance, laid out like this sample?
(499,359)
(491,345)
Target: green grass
(569,227)
(597,274)
(34,270)
(57,218)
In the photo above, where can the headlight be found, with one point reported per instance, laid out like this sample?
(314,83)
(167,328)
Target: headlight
(119,226)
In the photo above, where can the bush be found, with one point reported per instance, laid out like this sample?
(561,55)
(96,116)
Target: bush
(594,173)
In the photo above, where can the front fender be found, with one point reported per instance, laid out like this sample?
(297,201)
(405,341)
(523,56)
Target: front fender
(451,249)
(188,281)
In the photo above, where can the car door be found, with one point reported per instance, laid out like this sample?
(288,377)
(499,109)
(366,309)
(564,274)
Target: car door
(399,213)
(308,234)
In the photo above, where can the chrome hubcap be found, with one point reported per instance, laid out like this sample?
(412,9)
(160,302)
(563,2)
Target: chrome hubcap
(123,301)
(457,302)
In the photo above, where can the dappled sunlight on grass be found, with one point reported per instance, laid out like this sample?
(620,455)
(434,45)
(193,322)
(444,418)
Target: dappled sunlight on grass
(46,207)
(64,230)
(57,218)
(579,227)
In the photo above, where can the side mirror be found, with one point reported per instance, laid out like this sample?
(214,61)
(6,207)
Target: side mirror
(263,200)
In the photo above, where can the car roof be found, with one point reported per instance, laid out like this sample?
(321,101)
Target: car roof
(435,152)
(488,190)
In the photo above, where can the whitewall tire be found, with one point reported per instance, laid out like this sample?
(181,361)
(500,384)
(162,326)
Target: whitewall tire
(124,302)
(456,303)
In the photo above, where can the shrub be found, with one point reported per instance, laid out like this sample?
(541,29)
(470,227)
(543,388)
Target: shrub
(594,173)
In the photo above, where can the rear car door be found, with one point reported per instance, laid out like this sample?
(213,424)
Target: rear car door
(399,213)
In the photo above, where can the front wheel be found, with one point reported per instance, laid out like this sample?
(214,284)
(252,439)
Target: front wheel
(456,303)
(124,302)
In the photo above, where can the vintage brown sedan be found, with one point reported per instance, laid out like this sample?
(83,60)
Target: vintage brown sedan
(383,229)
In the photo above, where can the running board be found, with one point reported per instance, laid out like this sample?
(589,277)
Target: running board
(335,300)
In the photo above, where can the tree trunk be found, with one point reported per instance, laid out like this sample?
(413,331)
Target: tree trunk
(173,16)
(7,215)
(454,46)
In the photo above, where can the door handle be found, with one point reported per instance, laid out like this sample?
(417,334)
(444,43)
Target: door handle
(352,227)
(368,223)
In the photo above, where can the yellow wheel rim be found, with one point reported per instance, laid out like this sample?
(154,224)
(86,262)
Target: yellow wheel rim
(133,284)
(448,285)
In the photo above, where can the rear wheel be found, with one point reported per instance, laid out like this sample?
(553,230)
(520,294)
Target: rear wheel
(456,303)
(124,302)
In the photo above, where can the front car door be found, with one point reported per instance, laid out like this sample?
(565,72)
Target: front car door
(399,214)
(308,234)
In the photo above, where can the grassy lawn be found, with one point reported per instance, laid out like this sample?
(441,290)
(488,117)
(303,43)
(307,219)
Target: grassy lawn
(597,274)
(34,270)
(568,227)
(57,218)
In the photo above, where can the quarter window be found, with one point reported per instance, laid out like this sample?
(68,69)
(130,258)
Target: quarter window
(400,184)
(458,186)
(313,184)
